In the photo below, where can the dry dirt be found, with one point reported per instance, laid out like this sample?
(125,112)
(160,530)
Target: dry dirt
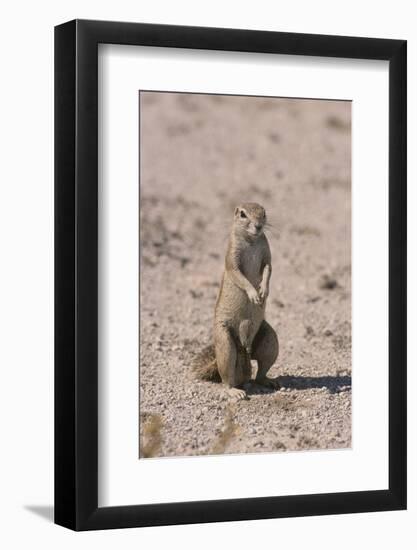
(200,157)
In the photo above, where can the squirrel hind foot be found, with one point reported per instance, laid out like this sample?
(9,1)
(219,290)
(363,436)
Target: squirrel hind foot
(269,383)
(237,394)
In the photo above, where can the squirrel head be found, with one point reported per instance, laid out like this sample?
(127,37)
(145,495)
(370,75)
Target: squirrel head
(250,219)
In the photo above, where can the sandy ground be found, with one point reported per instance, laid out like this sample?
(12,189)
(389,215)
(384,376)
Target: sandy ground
(200,157)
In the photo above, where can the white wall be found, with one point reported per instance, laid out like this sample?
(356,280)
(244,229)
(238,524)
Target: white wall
(26,289)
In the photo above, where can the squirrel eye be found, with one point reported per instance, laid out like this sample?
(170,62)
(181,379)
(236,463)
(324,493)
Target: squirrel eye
(242,214)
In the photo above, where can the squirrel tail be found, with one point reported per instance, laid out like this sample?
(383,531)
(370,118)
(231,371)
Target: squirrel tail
(205,367)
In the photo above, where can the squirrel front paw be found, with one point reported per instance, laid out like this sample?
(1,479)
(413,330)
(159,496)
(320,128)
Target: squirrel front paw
(254,296)
(263,293)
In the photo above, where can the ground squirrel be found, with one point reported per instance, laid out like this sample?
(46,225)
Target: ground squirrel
(240,330)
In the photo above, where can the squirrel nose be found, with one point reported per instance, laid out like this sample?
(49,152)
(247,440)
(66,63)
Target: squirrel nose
(258,226)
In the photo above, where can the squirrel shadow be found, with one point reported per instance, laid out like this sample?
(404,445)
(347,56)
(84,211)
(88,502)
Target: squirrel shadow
(332,383)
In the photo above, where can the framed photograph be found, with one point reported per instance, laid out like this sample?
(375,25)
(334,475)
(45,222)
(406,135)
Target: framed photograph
(230,284)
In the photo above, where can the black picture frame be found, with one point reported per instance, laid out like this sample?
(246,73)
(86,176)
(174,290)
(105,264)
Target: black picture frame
(76,272)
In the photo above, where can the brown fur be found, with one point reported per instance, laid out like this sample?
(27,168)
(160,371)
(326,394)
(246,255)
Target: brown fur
(240,307)
(205,367)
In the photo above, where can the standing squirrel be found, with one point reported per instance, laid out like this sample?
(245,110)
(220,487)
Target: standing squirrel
(240,330)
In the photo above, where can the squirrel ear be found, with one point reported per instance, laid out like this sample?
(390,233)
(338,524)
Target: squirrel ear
(236,211)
